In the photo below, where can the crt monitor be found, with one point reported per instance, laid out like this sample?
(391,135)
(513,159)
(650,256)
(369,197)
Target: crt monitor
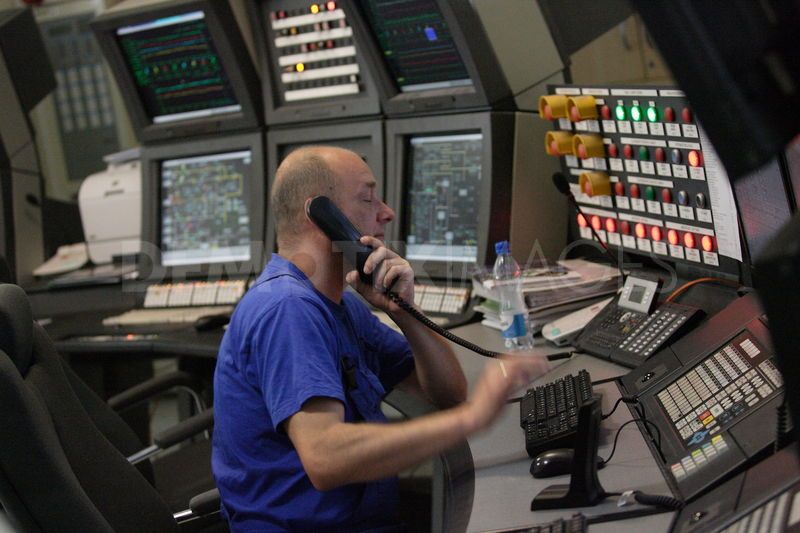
(204,208)
(363,138)
(182,68)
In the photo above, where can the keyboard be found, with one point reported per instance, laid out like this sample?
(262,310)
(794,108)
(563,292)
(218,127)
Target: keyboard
(575,524)
(549,413)
(177,315)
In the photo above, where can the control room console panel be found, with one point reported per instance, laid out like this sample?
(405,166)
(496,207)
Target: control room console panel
(644,173)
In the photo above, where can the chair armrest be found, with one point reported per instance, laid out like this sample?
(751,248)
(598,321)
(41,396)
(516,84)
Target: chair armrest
(185,429)
(205,503)
(152,387)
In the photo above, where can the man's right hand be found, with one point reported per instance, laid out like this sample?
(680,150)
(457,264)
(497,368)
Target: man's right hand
(500,378)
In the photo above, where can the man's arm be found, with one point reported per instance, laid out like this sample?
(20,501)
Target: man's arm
(336,453)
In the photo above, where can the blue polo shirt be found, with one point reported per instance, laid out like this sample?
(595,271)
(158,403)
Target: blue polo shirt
(287,343)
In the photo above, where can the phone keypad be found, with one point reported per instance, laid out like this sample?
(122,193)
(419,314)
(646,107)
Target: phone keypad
(654,330)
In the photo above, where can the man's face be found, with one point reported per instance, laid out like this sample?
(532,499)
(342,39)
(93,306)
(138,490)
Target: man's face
(357,197)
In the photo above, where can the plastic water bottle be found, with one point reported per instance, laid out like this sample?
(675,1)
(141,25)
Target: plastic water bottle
(513,312)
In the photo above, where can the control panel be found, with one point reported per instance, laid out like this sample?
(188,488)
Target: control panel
(644,173)
(198,293)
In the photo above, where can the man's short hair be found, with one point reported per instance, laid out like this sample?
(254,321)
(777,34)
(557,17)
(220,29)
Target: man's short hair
(302,174)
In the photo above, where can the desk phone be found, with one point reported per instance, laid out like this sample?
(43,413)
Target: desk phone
(629,329)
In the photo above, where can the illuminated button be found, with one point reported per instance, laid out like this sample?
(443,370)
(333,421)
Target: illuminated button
(683,198)
(581,108)
(695,158)
(708,243)
(595,184)
(686,115)
(314,8)
(627,151)
(558,143)
(636,113)
(620,112)
(331,6)
(597,224)
(700,200)
(611,225)
(586,146)
(655,233)
(552,106)
(675,156)
(669,114)
(652,114)
(644,153)
(673,237)
(661,155)
(641,230)
(688,240)
(582,221)
(605,112)
(634,189)
(612,150)
(625,227)
(649,193)
(300,67)
(666,196)
(619,188)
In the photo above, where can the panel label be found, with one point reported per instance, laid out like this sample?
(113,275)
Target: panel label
(653,207)
(711,258)
(648,167)
(693,255)
(697,173)
(657,128)
(676,251)
(686,212)
(624,126)
(629,242)
(631,165)
(616,164)
(638,204)
(644,245)
(679,171)
(671,210)
(663,169)
(622,202)
(660,248)
(704,215)
(673,130)
(609,126)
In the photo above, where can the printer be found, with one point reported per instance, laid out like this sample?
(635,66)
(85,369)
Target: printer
(110,204)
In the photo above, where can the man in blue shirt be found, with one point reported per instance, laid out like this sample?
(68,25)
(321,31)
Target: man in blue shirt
(300,442)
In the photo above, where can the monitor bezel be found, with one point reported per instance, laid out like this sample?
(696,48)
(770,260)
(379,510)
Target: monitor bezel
(366,103)
(321,135)
(490,87)
(233,53)
(151,266)
(494,212)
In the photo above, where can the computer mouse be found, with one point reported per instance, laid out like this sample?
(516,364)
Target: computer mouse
(557,462)
(211,322)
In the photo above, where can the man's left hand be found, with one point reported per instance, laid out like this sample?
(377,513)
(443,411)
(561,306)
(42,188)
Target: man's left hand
(388,270)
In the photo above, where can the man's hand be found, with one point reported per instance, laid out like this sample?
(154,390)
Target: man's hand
(387,268)
(500,378)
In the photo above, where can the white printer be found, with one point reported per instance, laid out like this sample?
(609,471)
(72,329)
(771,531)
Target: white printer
(110,203)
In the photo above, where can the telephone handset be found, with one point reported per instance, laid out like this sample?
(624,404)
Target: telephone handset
(344,235)
(632,328)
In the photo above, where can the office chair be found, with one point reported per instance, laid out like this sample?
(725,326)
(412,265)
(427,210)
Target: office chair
(57,469)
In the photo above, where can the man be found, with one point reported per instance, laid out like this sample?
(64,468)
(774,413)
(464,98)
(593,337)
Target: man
(299,438)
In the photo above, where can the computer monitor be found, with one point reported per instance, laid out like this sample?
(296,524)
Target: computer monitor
(182,67)
(203,213)
(363,138)
(460,183)
(443,55)
(310,62)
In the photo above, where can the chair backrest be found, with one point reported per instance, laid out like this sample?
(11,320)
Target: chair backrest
(123,497)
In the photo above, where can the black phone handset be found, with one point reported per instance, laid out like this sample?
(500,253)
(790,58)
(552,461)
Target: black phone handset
(327,216)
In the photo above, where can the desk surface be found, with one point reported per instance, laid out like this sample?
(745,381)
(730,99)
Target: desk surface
(504,487)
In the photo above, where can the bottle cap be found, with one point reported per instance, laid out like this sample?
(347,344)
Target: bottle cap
(501,247)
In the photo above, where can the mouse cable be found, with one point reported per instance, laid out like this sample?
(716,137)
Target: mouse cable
(606,380)
(626,399)
(619,431)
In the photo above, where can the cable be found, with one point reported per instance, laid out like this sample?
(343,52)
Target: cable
(686,286)
(616,438)
(606,380)
(626,399)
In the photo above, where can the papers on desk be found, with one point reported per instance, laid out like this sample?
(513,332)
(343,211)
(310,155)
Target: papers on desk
(68,258)
(98,275)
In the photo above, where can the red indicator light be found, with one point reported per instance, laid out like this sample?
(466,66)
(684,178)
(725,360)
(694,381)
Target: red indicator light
(548,112)
(597,224)
(634,191)
(582,221)
(661,155)
(688,240)
(613,151)
(641,230)
(582,151)
(575,114)
(587,188)
(605,112)
(666,196)
(611,225)
(669,114)
(708,243)
(331,6)
(686,115)
(655,233)
(673,237)
(554,148)
(619,188)
(627,150)
(625,227)
(695,158)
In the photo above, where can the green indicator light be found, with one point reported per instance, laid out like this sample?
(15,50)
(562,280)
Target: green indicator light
(619,111)
(650,193)
(644,153)
(636,113)
(652,114)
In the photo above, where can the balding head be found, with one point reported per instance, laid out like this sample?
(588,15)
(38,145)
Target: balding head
(306,172)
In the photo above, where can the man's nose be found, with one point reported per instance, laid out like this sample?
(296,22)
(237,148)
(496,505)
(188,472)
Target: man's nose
(386,214)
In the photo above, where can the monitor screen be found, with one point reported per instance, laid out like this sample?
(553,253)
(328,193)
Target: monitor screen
(204,213)
(177,68)
(442,198)
(416,43)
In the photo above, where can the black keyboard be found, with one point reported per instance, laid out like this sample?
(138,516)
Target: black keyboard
(549,414)
(576,524)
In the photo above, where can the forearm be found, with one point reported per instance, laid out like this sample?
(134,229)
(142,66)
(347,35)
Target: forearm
(438,370)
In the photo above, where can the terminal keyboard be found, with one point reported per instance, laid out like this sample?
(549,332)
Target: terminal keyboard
(179,315)
(578,523)
(549,413)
